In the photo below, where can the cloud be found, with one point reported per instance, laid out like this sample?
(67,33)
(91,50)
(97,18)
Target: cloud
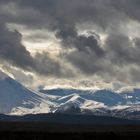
(88,54)
(122,50)
(12,50)
(19,74)
(48,66)
(70,38)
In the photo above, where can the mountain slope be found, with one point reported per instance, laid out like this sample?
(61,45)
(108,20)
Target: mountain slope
(16,99)
(101,102)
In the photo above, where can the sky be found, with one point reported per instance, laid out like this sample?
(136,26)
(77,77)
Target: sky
(71,43)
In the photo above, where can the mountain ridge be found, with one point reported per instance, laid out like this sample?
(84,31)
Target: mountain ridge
(15,99)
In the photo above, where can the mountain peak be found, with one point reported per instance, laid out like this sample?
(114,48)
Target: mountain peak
(17,99)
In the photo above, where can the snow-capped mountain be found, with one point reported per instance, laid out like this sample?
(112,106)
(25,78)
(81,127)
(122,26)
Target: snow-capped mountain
(101,102)
(16,99)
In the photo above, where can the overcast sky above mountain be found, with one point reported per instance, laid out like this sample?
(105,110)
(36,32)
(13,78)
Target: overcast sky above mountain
(71,42)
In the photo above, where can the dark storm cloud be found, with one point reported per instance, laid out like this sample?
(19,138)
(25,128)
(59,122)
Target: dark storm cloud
(129,7)
(70,38)
(62,18)
(44,65)
(57,14)
(85,62)
(122,50)
(12,50)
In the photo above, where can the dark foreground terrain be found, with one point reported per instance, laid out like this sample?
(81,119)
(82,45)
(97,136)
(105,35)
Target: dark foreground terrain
(46,131)
(67,127)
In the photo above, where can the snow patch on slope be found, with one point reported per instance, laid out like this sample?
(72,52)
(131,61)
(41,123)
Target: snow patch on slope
(16,99)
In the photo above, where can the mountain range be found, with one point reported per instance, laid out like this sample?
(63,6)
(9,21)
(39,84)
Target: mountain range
(15,99)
